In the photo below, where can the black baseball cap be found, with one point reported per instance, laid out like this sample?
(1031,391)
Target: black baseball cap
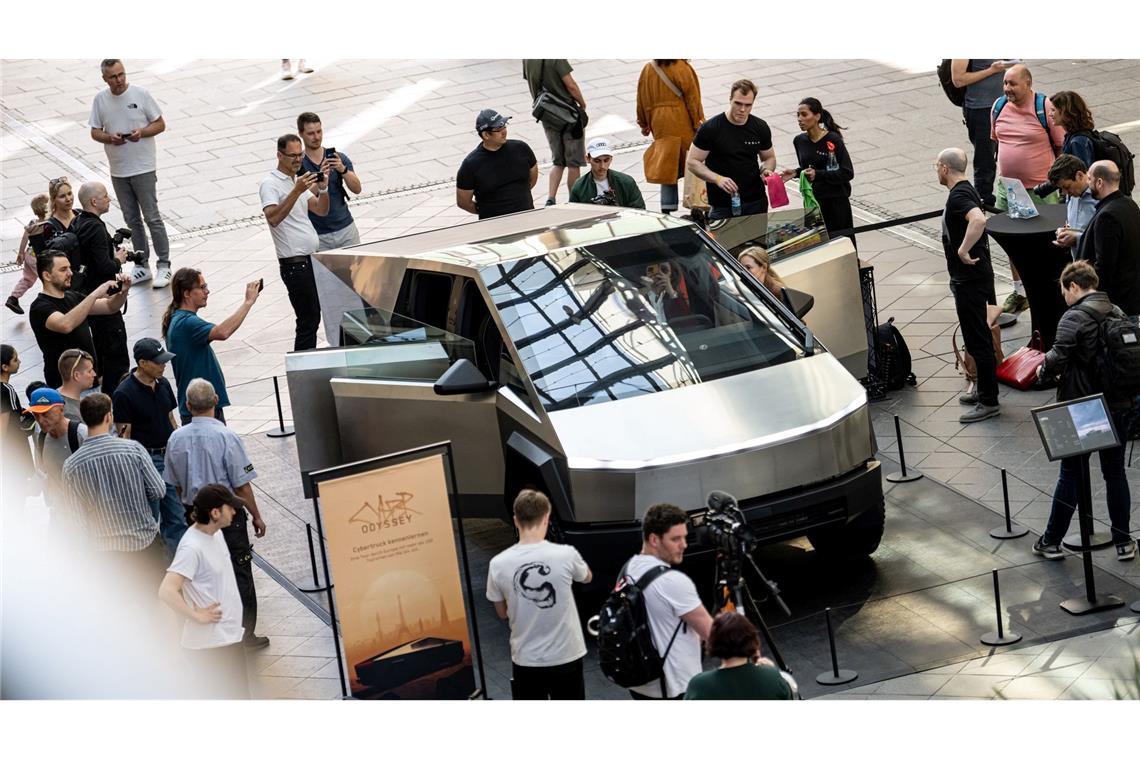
(151,350)
(489,118)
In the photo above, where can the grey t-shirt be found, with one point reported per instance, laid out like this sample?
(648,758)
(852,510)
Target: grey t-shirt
(71,408)
(55,453)
(983,94)
(535,582)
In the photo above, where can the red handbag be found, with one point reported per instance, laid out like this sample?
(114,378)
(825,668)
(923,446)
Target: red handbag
(1019,369)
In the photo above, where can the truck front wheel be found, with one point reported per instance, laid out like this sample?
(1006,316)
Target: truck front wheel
(858,538)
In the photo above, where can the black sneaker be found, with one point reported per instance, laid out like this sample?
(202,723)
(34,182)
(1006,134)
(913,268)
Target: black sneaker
(980,412)
(1048,551)
(14,305)
(550,201)
(1125,552)
(256,642)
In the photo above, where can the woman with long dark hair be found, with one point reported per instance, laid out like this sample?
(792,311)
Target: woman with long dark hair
(823,158)
(1072,113)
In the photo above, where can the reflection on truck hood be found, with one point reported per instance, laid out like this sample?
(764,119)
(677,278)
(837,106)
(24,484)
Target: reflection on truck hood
(742,412)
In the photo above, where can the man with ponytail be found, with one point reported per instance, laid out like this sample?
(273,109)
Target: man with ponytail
(188,336)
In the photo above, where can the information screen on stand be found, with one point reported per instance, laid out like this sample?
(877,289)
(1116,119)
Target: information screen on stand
(1076,427)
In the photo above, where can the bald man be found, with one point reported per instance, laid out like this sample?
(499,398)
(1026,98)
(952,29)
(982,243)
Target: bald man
(97,262)
(1112,238)
(1027,139)
(971,279)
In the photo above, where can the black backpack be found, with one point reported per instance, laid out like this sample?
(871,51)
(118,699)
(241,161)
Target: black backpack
(625,645)
(1118,356)
(957,95)
(892,364)
(72,439)
(1107,146)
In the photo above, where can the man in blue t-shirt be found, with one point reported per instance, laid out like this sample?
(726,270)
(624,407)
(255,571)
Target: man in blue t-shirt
(188,336)
(336,229)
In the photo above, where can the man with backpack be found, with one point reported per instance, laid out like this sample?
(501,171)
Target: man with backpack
(1112,238)
(56,440)
(530,585)
(980,86)
(1022,126)
(677,620)
(1096,350)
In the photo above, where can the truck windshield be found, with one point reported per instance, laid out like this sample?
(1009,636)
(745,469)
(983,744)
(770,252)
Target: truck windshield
(633,316)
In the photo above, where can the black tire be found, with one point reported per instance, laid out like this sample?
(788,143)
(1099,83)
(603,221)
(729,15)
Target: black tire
(858,538)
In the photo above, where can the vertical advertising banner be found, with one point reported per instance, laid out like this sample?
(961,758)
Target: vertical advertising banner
(397,584)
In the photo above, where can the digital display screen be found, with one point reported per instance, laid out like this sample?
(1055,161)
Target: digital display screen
(1075,427)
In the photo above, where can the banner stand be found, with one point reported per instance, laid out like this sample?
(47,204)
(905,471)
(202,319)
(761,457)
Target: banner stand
(443,449)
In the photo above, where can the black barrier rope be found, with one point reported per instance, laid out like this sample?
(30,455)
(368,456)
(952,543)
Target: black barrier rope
(834,234)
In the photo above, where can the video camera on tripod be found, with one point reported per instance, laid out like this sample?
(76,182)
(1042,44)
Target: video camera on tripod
(724,525)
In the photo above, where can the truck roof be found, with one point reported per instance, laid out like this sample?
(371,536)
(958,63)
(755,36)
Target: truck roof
(521,235)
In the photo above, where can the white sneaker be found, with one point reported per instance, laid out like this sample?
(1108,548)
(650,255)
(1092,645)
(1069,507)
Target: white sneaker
(303,67)
(162,279)
(286,70)
(140,274)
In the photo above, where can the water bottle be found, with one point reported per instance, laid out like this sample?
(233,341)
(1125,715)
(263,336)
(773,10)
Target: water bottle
(736,204)
(832,163)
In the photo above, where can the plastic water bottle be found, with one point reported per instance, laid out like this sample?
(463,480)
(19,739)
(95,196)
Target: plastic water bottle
(736,204)
(832,162)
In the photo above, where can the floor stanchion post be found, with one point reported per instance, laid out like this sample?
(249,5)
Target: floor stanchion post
(835,676)
(1000,638)
(282,431)
(903,476)
(1010,530)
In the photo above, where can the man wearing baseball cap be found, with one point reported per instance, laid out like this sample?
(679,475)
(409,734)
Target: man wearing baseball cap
(55,441)
(603,185)
(144,405)
(496,178)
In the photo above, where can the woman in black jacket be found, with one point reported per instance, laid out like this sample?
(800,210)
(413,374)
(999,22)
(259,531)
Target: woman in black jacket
(1073,357)
(823,157)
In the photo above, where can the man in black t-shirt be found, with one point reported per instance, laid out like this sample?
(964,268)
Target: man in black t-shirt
(724,154)
(59,316)
(971,278)
(496,178)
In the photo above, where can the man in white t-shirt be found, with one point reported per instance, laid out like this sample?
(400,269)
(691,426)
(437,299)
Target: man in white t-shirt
(530,585)
(294,237)
(201,587)
(675,611)
(125,118)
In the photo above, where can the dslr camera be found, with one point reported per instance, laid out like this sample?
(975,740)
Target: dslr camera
(608,198)
(122,234)
(724,525)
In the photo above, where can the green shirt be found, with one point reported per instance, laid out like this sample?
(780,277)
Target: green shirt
(740,682)
(548,73)
(624,186)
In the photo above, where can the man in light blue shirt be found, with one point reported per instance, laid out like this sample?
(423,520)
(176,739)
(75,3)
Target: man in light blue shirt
(1069,173)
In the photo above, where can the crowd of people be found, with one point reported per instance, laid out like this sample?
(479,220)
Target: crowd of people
(143,471)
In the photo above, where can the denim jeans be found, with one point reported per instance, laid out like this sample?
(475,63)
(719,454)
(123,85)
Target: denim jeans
(168,511)
(1116,494)
(669,197)
(302,289)
(137,194)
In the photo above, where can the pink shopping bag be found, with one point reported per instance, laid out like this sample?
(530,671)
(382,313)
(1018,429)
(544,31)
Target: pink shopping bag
(777,195)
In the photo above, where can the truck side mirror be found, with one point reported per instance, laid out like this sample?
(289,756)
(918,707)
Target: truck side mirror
(798,302)
(462,377)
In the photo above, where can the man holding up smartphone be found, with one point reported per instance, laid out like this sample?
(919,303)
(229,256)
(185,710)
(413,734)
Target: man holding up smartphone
(336,229)
(294,237)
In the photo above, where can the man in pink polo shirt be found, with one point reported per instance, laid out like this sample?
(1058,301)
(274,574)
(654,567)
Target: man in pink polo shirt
(1026,149)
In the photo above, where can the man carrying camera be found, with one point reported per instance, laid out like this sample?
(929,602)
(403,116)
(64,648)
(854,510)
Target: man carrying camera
(99,260)
(59,315)
(677,619)
(125,119)
(603,185)
(288,195)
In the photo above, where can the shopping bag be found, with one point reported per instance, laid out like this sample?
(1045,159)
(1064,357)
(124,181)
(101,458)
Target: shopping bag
(1019,369)
(696,191)
(777,195)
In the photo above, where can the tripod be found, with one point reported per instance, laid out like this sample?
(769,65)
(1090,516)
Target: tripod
(733,594)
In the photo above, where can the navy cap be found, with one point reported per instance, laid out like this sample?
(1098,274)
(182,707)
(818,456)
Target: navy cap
(489,118)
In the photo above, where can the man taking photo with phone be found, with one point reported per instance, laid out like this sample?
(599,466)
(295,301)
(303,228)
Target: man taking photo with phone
(336,229)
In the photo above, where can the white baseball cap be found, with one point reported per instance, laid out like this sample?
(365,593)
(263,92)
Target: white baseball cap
(598,147)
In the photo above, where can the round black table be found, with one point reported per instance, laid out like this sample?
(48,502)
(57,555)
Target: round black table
(1029,245)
